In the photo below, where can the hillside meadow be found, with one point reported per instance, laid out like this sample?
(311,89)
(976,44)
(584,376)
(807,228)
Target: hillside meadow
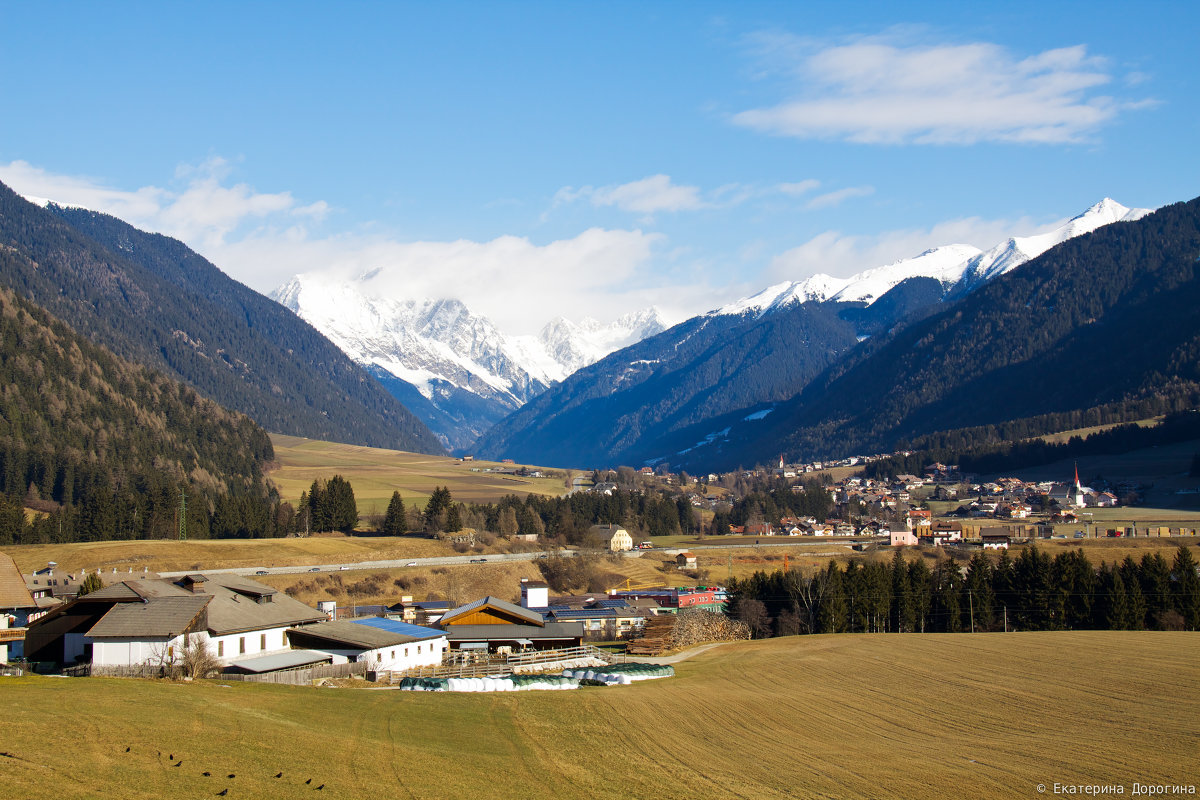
(375,474)
(846,716)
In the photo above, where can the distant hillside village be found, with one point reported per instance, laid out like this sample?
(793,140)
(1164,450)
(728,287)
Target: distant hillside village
(756,502)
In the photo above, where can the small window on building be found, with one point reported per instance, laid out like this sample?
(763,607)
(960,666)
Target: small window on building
(406,652)
(418,649)
(220,648)
(241,644)
(263,642)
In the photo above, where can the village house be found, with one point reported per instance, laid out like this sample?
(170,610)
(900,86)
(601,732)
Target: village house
(17,608)
(613,537)
(494,625)
(995,540)
(384,645)
(685,560)
(148,621)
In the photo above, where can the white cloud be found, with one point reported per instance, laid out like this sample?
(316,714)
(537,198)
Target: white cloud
(799,188)
(842,255)
(657,193)
(835,198)
(887,90)
(520,285)
(646,196)
(202,213)
(263,239)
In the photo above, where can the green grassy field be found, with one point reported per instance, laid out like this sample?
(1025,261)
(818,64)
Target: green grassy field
(906,716)
(1083,433)
(376,473)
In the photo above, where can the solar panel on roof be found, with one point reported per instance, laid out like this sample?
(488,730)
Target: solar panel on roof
(398,627)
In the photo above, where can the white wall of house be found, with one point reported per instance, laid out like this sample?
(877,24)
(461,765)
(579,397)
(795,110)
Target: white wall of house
(128,652)
(396,658)
(227,648)
(233,646)
(621,540)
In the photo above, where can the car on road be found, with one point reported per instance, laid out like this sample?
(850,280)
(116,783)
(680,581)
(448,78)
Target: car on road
(478,560)
(315,569)
(411,564)
(343,568)
(261,572)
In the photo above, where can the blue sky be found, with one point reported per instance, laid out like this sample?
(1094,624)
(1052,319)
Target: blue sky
(537,159)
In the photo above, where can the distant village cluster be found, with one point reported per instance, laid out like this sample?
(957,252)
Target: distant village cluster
(869,507)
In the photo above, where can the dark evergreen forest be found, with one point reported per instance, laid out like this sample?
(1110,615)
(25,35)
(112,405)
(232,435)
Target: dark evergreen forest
(1031,592)
(106,449)
(1003,448)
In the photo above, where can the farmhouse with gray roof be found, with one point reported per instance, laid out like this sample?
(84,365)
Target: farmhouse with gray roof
(146,622)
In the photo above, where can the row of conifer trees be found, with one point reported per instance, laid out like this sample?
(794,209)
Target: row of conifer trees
(1031,592)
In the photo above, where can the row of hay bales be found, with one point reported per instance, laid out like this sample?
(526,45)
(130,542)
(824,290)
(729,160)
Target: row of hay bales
(507,683)
(622,673)
(556,666)
(611,675)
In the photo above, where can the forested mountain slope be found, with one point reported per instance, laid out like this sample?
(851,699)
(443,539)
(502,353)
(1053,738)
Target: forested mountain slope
(152,300)
(106,446)
(661,399)
(616,410)
(1108,319)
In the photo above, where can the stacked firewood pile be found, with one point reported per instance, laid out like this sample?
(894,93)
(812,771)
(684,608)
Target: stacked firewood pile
(686,629)
(697,626)
(655,638)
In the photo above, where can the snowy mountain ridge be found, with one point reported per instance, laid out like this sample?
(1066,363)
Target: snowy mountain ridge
(446,352)
(956,266)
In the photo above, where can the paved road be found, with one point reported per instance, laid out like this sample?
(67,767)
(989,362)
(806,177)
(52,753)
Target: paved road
(438,561)
(491,558)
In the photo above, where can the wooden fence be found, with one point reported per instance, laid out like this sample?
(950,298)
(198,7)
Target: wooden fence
(501,665)
(294,677)
(302,676)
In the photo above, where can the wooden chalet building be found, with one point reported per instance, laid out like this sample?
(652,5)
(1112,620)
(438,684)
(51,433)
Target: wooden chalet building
(17,608)
(491,623)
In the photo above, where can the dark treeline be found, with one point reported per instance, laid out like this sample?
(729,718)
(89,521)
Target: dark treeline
(773,501)
(1030,592)
(106,449)
(328,506)
(568,519)
(994,449)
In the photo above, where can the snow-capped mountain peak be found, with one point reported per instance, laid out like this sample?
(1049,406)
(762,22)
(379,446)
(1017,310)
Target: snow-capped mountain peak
(1014,252)
(455,359)
(943,263)
(956,266)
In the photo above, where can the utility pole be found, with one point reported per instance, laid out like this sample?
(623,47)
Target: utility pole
(971,596)
(182,514)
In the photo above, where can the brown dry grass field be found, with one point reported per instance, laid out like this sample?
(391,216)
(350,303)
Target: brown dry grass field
(470,581)
(846,716)
(170,555)
(375,474)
